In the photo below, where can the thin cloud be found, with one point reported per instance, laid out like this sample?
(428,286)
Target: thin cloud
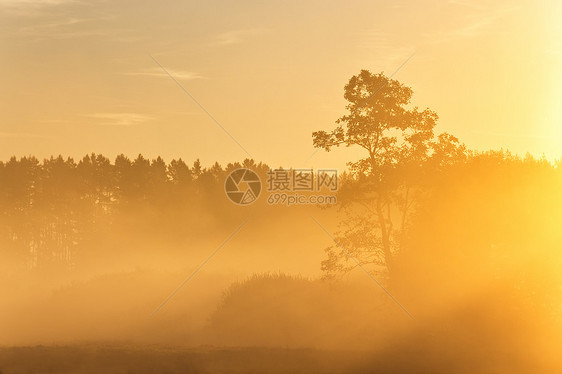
(44,27)
(234,36)
(24,3)
(67,34)
(473,19)
(476,23)
(120,119)
(27,8)
(72,28)
(157,72)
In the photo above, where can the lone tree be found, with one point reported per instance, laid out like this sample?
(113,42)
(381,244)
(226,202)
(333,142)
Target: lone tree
(400,148)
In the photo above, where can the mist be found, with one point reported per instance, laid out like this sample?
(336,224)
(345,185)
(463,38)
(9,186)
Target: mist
(475,286)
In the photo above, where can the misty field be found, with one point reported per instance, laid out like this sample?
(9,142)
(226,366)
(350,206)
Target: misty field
(127,273)
(128,360)
(138,234)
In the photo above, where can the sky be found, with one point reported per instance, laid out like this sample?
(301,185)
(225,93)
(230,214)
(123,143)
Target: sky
(81,77)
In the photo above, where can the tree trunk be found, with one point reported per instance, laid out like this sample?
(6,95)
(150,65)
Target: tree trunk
(385,235)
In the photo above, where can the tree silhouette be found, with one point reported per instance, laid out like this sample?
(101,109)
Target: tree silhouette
(400,146)
(58,213)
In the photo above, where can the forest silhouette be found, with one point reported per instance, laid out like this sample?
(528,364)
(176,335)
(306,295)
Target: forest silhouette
(463,245)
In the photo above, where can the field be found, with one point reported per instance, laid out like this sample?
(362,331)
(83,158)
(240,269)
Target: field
(123,359)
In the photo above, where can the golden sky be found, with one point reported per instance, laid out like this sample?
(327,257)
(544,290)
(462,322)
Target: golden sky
(78,77)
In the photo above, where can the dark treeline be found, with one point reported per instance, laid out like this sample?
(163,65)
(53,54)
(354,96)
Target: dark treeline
(58,212)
